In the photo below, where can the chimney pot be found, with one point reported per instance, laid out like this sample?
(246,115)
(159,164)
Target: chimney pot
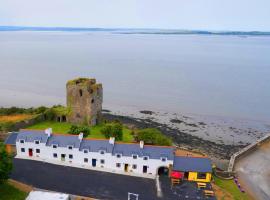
(80,136)
(111,141)
(141,144)
(48,131)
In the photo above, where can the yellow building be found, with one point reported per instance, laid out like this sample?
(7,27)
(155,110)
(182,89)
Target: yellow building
(10,143)
(193,168)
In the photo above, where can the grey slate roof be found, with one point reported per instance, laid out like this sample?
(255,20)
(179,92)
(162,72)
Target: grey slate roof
(96,145)
(154,152)
(192,164)
(32,135)
(64,140)
(11,140)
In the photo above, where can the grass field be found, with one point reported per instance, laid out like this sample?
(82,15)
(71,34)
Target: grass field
(14,118)
(232,188)
(8,192)
(64,127)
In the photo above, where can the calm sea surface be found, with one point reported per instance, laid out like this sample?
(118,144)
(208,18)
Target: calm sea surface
(213,75)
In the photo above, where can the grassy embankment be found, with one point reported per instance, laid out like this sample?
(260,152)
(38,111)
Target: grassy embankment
(64,127)
(231,187)
(7,191)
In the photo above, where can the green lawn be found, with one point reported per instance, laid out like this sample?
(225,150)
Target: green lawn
(232,188)
(7,192)
(64,128)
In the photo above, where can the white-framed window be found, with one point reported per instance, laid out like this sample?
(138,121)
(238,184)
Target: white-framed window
(54,146)
(22,149)
(22,141)
(145,158)
(36,141)
(70,156)
(55,155)
(163,159)
(70,147)
(118,155)
(134,166)
(134,156)
(118,165)
(37,150)
(85,151)
(102,161)
(85,160)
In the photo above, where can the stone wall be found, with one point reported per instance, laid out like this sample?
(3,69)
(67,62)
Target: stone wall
(84,101)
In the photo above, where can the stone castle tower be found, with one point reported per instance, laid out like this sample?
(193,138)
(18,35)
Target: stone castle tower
(84,101)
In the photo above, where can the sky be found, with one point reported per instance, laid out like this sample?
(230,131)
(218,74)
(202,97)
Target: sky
(242,15)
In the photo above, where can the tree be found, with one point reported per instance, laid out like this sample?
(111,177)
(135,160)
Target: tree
(153,136)
(113,130)
(5,164)
(76,130)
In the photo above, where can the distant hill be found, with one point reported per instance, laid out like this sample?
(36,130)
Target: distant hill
(136,31)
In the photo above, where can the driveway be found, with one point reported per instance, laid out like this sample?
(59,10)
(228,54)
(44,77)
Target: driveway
(95,184)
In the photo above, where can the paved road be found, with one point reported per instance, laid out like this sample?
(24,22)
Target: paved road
(82,182)
(254,171)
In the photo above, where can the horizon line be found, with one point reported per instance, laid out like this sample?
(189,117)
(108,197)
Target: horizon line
(15,27)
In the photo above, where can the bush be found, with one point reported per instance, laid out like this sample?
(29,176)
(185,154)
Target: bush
(76,130)
(113,130)
(5,164)
(153,136)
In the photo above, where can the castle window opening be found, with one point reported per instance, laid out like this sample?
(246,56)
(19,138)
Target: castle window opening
(92,101)
(81,93)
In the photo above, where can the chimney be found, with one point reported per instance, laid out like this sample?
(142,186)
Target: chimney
(111,141)
(80,136)
(141,144)
(48,131)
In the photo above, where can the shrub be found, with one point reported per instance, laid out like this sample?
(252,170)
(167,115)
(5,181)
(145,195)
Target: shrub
(113,130)
(5,164)
(153,136)
(76,130)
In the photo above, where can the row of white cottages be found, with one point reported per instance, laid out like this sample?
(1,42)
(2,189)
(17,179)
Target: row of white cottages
(98,154)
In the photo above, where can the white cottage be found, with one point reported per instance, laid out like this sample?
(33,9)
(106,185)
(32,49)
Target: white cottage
(98,154)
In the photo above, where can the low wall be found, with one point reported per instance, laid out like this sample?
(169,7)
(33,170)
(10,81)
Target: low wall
(245,151)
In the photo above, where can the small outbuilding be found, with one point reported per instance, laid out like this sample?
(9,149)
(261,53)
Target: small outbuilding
(10,143)
(192,168)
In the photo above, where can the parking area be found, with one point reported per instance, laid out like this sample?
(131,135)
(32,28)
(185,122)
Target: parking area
(254,172)
(185,190)
(100,185)
(95,184)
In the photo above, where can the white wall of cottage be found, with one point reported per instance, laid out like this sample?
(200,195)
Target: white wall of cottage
(110,161)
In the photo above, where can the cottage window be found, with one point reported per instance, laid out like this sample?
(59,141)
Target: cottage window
(134,166)
(134,156)
(22,149)
(55,155)
(22,141)
(102,161)
(54,146)
(85,151)
(86,160)
(70,156)
(201,176)
(102,152)
(145,158)
(70,147)
(36,142)
(37,150)
(163,159)
(118,165)
(118,155)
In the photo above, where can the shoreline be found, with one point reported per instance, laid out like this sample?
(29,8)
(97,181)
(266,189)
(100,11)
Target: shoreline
(219,153)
